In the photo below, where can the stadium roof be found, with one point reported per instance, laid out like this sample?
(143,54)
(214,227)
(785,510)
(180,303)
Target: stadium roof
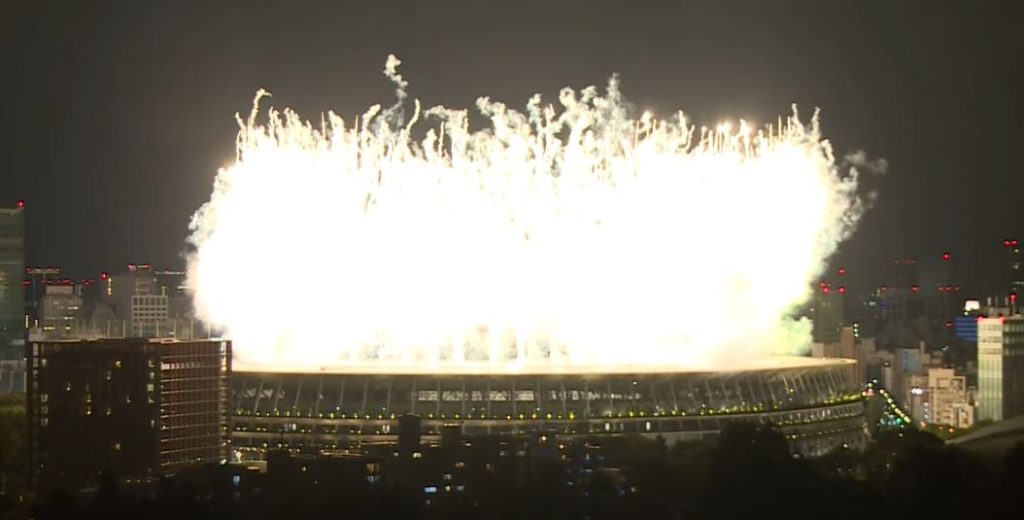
(767,363)
(998,436)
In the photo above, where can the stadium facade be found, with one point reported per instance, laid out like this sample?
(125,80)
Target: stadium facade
(815,402)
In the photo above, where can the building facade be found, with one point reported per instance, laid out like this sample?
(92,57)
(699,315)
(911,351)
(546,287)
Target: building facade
(137,408)
(12,272)
(37,279)
(827,317)
(948,399)
(1000,368)
(1013,279)
(148,313)
(59,308)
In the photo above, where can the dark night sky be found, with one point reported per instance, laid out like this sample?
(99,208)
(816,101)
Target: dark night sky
(117,115)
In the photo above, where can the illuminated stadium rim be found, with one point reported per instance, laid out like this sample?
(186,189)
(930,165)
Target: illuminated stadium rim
(815,402)
(771,363)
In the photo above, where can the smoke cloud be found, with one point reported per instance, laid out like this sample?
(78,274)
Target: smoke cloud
(563,235)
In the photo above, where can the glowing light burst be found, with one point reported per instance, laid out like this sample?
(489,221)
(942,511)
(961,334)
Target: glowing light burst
(556,237)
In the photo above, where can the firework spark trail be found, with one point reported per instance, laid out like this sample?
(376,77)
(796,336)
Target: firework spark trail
(564,236)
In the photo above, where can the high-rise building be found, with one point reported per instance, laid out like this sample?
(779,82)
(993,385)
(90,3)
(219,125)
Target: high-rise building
(138,408)
(152,303)
(12,272)
(827,316)
(1000,367)
(1013,280)
(58,309)
(148,315)
(37,280)
(138,280)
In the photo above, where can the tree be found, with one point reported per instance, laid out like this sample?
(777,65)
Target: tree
(13,445)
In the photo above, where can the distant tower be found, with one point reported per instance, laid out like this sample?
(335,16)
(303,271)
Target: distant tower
(141,301)
(12,273)
(827,316)
(37,280)
(1014,277)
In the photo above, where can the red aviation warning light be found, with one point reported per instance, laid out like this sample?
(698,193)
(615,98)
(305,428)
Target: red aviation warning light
(914,288)
(104,276)
(946,256)
(949,324)
(842,290)
(842,271)
(20,204)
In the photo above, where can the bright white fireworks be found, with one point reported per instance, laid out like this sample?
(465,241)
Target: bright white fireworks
(556,236)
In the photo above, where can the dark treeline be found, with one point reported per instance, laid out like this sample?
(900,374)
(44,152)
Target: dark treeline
(747,472)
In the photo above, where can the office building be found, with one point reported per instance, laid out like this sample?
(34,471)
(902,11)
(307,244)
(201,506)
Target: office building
(37,279)
(827,316)
(148,314)
(1000,368)
(138,408)
(1013,279)
(948,399)
(59,309)
(150,302)
(12,272)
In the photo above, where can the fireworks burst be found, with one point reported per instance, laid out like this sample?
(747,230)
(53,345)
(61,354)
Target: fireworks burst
(578,235)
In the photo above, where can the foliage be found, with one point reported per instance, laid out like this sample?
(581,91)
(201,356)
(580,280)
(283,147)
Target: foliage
(748,471)
(13,446)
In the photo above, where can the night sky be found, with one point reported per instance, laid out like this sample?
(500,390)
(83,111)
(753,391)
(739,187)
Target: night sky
(116,115)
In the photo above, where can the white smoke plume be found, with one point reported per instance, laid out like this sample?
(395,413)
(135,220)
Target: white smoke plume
(559,236)
(859,160)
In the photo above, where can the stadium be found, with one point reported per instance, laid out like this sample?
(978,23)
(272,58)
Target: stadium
(815,402)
